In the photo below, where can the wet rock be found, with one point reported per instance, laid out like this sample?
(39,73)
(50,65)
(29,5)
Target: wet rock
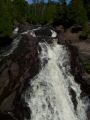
(61,38)
(4,80)
(77,69)
(73,97)
(7,104)
(14,70)
(6,116)
(43,32)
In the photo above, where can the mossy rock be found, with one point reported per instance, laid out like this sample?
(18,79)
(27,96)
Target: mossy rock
(87,66)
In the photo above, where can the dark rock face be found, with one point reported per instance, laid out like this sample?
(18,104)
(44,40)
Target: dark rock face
(78,73)
(5,41)
(77,69)
(6,116)
(15,70)
(43,32)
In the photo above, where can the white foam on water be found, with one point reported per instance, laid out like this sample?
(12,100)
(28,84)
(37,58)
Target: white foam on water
(48,96)
(32,33)
(25,32)
(16,30)
(54,34)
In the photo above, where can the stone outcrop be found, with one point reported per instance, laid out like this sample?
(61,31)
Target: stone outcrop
(15,70)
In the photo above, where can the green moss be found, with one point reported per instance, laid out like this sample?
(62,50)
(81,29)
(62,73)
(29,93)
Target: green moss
(87,66)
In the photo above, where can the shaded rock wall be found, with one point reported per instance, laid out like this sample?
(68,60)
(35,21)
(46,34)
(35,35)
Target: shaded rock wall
(15,70)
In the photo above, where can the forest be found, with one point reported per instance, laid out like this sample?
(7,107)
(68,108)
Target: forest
(39,12)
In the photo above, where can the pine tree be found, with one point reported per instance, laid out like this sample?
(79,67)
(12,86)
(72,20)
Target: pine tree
(6,20)
(87,7)
(78,12)
(20,9)
(62,12)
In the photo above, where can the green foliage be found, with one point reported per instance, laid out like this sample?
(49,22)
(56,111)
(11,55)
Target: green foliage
(6,25)
(86,31)
(62,12)
(87,66)
(12,11)
(87,7)
(78,13)
(83,36)
(41,13)
(6,20)
(20,10)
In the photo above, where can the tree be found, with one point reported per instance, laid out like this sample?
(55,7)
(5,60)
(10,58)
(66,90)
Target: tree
(87,7)
(61,12)
(20,9)
(6,20)
(77,12)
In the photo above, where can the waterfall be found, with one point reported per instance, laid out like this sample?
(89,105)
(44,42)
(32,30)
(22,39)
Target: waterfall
(48,96)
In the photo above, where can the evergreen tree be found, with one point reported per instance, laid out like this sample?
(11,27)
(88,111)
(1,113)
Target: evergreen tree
(87,7)
(20,9)
(62,12)
(6,20)
(77,12)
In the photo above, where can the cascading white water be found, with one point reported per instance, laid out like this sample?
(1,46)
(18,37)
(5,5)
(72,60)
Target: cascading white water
(49,94)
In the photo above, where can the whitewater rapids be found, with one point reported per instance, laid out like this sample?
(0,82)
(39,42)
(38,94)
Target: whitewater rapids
(48,96)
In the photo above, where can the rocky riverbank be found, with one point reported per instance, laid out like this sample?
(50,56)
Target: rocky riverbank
(82,46)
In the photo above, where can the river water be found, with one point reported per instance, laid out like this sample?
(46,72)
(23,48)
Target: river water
(49,96)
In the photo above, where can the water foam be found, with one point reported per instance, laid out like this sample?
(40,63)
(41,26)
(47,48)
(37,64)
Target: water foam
(49,97)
